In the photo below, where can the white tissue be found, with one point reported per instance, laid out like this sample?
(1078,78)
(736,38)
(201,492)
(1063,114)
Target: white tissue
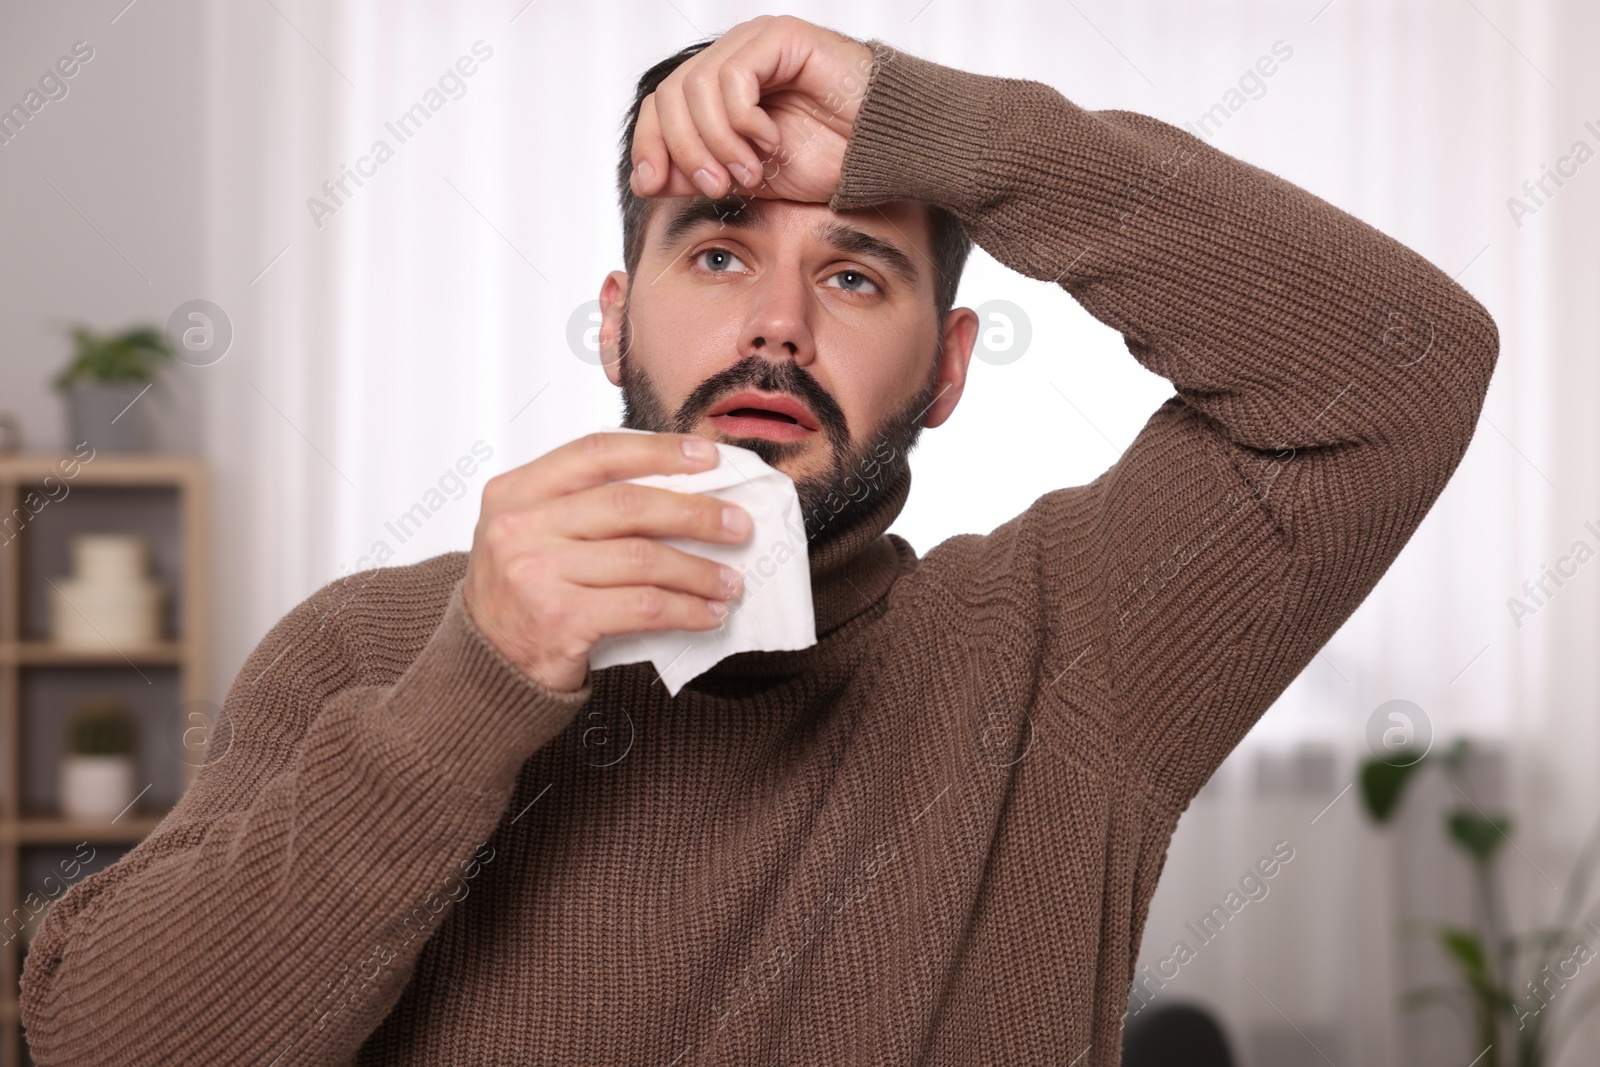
(775,613)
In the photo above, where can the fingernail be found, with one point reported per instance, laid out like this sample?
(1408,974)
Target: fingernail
(744,174)
(730,578)
(765,146)
(698,448)
(706,182)
(735,520)
(644,170)
(718,608)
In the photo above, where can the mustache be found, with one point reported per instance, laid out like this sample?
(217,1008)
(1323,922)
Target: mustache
(769,377)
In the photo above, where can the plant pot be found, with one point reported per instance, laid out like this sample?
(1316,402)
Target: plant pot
(96,788)
(100,414)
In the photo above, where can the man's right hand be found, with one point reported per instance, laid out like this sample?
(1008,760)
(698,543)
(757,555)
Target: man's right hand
(563,552)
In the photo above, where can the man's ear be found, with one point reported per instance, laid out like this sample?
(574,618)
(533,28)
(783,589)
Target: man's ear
(960,334)
(613,295)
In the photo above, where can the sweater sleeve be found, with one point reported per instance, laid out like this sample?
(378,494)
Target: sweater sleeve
(276,913)
(1327,382)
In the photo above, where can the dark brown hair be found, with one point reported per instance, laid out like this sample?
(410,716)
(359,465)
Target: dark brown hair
(946,236)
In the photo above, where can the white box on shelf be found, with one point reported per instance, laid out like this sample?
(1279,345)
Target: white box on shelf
(109,603)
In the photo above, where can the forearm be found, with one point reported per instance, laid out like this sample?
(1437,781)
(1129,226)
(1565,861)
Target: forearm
(281,907)
(1260,301)
(1328,382)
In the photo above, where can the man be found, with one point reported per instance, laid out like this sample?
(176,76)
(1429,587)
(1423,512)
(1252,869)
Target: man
(431,834)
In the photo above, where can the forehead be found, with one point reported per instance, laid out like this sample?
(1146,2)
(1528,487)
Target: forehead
(900,224)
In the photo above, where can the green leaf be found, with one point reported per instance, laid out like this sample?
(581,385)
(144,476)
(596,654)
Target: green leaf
(1466,949)
(1479,835)
(1383,781)
(129,356)
(1455,757)
(102,726)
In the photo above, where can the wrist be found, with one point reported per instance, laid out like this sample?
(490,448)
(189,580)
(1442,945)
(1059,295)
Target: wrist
(471,711)
(923,132)
(859,58)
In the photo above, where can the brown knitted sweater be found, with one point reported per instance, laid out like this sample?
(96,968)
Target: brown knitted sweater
(931,837)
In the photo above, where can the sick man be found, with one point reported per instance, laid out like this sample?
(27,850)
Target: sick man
(427,832)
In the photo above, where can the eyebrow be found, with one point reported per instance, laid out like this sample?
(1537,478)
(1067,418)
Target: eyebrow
(734,213)
(860,243)
(699,210)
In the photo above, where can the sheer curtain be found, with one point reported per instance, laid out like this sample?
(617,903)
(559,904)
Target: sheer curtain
(395,332)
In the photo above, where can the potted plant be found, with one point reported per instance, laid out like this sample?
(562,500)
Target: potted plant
(98,769)
(1512,988)
(107,374)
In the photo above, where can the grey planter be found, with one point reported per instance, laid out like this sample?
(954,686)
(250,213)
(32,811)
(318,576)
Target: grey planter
(99,413)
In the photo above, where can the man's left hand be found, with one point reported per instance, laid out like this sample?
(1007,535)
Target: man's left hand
(765,110)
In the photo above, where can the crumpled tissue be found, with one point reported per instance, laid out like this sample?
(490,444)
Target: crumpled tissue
(775,612)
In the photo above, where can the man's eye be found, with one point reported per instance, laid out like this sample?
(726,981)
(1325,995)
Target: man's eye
(719,259)
(853,280)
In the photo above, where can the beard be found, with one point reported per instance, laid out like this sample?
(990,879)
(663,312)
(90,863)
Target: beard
(872,463)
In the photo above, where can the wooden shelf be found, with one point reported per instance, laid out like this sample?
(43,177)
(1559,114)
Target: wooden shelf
(130,829)
(102,468)
(136,489)
(47,654)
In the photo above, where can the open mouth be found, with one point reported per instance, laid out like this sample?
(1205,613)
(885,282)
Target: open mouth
(762,413)
(777,416)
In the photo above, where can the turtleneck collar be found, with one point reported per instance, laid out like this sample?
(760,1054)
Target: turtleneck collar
(852,566)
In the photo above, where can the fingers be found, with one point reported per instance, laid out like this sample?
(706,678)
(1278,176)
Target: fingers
(703,95)
(626,609)
(624,509)
(654,173)
(641,561)
(684,143)
(701,120)
(595,459)
(740,89)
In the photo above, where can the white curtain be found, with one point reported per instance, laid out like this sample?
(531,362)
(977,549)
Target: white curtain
(422,317)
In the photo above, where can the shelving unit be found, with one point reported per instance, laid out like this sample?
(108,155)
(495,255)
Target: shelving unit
(164,498)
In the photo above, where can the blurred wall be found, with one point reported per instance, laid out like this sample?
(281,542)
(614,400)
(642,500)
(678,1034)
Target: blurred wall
(102,195)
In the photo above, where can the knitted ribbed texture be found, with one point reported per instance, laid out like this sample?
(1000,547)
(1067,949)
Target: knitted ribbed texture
(930,838)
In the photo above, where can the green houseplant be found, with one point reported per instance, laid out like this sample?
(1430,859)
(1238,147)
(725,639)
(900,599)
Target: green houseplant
(102,727)
(108,372)
(98,768)
(1511,988)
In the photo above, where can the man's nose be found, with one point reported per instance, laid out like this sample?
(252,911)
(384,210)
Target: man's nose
(778,326)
